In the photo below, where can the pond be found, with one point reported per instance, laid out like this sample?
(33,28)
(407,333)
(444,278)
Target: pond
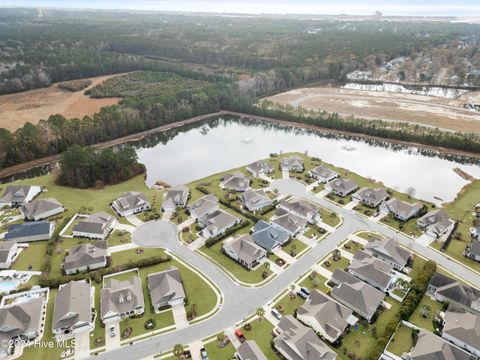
(201,149)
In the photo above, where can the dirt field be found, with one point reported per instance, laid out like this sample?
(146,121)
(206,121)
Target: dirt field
(33,105)
(443,113)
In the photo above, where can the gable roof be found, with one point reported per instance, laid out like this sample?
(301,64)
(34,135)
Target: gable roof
(259,166)
(402,208)
(323,171)
(245,248)
(175,195)
(288,221)
(463,326)
(38,207)
(72,305)
(5,249)
(329,314)
(203,205)
(115,296)
(253,197)
(439,280)
(372,195)
(219,219)
(236,180)
(299,206)
(268,236)
(95,223)
(390,249)
(130,200)
(292,162)
(343,185)
(249,350)
(436,221)
(19,318)
(36,228)
(356,293)
(165,285)
(432,347)
(371,268)
(462,294)
(15,193)
(85,255)
(300,342)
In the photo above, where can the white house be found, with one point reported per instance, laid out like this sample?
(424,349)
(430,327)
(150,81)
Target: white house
(95,226)
(8,253)
(131,203)
(15,196)
(323,174)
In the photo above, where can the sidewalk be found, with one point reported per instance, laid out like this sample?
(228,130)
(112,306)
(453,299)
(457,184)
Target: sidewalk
(351,205)
(322,193)
(274,267)
(311,186)
(327,227)
(322,271)
(309,242)
(195,349)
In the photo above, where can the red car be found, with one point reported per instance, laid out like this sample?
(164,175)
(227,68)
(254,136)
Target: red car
(239,335)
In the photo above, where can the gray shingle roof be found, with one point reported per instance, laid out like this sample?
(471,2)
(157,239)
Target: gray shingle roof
(120,297)
(20,318)
(176,195)
(288,221)
(432,347)
(372,269)
(255,198)
(374,196)
(39,207)
(260,166)
(463,326)
(245,248)
(165,285)
(15,193)
(72,305)
(237,180)
(299,206)
(389,249)
(343,185)
(249,350)
(292,162)
(204,205)
(5,248)
(323,171)
(86,255)
(268,236)
(130,200)
(402,208)
(436,221)
(95,223)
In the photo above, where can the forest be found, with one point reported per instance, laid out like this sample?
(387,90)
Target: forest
(180,66)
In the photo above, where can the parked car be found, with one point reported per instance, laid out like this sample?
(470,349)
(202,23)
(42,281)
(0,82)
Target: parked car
(240,335)
(203,354)
(111,331)
(302,294)
(187,354)
(276,314)
(305,291)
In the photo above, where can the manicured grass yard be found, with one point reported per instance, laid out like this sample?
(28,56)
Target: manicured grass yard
(409,227)
(216,352)
(119,237)
(189,236)
(309,283)
(352,246)
(455,250)
(295,245)
(329,217)
(242,274)
(342,200)
(402,341)
(341,264)
(33,255)
(261,332)
(417,317)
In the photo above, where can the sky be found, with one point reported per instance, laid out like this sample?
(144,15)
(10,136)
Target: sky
(459,8)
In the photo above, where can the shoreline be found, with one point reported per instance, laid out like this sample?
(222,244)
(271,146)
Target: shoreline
(50,160)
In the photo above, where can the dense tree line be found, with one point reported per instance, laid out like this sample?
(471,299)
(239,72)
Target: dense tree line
(85,167)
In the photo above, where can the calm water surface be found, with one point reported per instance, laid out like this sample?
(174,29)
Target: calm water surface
(196,151)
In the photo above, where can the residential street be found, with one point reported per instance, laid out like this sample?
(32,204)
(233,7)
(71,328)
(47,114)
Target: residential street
(235,307)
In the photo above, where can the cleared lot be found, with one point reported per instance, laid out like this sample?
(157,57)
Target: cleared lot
(426,110)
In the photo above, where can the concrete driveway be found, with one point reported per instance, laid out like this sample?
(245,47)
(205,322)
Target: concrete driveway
(112,342)
(82,345)
(155,234)
(180,316)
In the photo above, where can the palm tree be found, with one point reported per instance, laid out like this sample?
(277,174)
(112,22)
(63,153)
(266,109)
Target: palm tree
(260,313)
(178,351)
(266,265)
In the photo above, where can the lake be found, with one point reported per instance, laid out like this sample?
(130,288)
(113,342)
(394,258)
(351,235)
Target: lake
(201,149)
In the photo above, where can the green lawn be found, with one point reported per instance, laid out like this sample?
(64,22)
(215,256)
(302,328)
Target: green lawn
(455,250)
(261,332)
(179,216)
(313,230)
(329,217)
(402,341)
(352,246)
(296,246)
(310,283)
(409,227)
(365,210)
(119,237)
(188,236)
(290,303)
(424,319)
(242,274)
(33,255)
(215,352)
(341,264)
(342,200)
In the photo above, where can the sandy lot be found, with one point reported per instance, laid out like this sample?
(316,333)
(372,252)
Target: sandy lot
(443,113)
(31,106)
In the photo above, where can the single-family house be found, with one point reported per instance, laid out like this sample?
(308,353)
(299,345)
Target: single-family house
(15,196)
(436,223)
(95,226)
(8,253)
(463,329)
(355,294)
(323,174)
(371,197)
(202,207)
(472,250)
(243,250)
(166,288)
(217,223)
(445,289)
(298,342)
(74,309)
(175,196)
(249,350)
(301,208)
(372,270)
(341,186)
(402,210)
(255,200)
(237,181)
(268,236)
(41,209)
(260,167)
(431,346)
(288,222)
(389,251)
(84,257)
(121,299)
(326,316)
(292,163)
(20,321)
(30,231)
(475,230)
(131,203)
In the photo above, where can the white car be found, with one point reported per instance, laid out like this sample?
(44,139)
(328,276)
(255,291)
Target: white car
(111,331)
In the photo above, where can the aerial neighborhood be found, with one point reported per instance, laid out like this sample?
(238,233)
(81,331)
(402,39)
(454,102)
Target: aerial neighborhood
(135,263)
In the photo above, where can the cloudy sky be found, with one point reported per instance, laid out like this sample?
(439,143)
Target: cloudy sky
(466,8)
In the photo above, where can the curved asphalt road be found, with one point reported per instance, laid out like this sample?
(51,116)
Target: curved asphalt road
(240,302)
